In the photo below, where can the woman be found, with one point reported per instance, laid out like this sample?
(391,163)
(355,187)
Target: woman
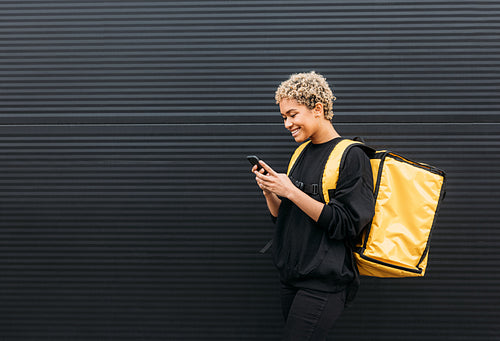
(316,268)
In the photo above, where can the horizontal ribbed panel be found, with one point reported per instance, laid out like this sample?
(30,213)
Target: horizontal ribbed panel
(152,232)
(188,61)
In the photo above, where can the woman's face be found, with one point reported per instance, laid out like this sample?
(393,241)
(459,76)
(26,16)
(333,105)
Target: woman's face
(301,121)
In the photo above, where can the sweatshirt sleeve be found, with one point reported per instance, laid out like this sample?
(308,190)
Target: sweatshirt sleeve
(352,206)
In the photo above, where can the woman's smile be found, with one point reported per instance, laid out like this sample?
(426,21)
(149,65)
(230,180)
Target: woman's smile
(295,131)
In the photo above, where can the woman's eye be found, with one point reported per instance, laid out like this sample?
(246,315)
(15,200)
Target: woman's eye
(289,116)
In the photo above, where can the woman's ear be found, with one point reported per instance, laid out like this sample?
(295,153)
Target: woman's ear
(318,110)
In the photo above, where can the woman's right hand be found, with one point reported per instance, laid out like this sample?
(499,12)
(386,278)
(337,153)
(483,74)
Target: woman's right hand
(272,182)
(261,171)
(272,200)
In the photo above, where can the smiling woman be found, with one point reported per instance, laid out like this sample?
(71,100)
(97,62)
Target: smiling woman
(316,269)
(306,105)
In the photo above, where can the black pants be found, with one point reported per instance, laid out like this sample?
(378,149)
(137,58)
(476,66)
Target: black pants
(309,314)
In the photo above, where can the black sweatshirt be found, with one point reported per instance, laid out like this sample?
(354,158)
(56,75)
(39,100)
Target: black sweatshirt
(312,254)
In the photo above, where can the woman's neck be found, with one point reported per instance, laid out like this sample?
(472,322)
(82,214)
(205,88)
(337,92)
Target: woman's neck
(326,133)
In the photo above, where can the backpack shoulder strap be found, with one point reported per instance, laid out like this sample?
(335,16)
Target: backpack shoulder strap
(332,167)
(295,156)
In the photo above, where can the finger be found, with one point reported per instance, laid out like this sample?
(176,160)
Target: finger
(261,185)
(259,176)
(262,174)
(267,168)
(258,169)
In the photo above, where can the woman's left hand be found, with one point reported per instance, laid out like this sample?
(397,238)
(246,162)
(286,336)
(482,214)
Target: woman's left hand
(277,183)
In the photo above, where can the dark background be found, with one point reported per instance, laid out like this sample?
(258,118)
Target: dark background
(127,209)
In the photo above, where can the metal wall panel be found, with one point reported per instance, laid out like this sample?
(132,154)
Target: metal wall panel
(152,232)
(127,210)
(190,61)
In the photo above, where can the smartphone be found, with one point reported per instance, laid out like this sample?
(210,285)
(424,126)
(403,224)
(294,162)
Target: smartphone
(254,160)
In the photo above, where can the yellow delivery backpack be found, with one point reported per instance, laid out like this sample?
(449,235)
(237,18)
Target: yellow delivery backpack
(408,195)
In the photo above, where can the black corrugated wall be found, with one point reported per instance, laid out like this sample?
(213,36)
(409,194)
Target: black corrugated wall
(127,210)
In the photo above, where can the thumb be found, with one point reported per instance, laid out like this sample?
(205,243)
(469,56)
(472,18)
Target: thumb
(267,168)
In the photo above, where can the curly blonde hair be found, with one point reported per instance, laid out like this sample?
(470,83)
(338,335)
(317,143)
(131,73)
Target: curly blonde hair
(308,88)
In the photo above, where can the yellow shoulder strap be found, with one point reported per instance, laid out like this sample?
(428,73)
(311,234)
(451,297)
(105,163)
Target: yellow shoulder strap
(295,156)
(332,167)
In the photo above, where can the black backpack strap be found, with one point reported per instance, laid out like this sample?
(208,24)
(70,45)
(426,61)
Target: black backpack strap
(266,247)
